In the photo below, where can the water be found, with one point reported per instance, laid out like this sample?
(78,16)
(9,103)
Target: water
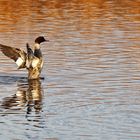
(91,89)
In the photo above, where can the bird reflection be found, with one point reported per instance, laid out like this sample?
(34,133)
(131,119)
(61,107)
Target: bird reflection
(28,96)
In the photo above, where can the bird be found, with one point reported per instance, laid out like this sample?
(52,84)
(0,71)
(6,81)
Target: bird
(32,60)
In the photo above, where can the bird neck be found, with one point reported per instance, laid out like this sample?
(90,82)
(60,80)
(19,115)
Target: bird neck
(37,46)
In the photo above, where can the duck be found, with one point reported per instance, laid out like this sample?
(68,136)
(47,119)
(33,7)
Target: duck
(32,59)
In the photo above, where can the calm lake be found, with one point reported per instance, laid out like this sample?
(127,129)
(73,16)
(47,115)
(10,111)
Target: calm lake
(91,89)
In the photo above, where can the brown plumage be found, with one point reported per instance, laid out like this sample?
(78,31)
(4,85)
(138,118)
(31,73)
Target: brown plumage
(32,61)
(15,54)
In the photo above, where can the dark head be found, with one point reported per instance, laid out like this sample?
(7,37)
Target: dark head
(40,39)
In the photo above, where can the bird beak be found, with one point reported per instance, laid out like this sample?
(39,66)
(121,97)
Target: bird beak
(46,40)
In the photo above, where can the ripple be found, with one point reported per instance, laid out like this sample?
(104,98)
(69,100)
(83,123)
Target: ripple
(91,72)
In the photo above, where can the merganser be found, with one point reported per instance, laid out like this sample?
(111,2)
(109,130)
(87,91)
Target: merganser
(32,60)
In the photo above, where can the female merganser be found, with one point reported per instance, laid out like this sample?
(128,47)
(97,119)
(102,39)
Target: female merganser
(32,60)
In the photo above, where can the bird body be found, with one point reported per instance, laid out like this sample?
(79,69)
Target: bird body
(32,60)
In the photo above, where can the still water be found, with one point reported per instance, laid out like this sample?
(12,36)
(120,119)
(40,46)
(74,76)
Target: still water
(91,89)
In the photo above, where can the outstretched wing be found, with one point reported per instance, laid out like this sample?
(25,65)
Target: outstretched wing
(16,54)
(30,53)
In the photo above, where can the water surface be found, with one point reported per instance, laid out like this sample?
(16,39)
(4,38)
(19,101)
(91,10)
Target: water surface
(91,88)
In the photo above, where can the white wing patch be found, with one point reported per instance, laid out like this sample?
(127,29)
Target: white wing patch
(19,61)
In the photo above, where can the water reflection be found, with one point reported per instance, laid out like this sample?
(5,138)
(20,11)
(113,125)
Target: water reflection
(29,95)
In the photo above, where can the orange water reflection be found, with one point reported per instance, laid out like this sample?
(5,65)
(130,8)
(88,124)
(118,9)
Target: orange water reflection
(26,12)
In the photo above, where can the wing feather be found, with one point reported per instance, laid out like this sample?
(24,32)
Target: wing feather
(14,53)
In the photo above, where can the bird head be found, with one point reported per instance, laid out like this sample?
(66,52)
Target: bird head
(40,39)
